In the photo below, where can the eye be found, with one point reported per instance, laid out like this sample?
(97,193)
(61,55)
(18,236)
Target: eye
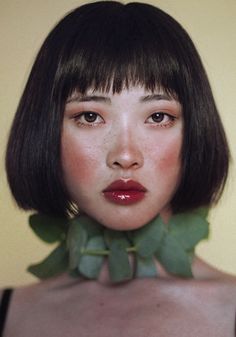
(88,118)
(161,118)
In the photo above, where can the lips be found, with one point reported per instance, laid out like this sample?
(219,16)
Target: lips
(124,192)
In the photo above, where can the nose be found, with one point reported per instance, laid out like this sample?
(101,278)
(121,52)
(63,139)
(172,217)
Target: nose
(125,152)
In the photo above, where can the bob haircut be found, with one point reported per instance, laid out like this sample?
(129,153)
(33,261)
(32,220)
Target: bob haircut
(107,45)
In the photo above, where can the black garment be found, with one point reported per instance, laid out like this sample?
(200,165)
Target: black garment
(4,306)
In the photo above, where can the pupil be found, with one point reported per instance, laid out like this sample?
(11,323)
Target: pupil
(158,117)
(90,117)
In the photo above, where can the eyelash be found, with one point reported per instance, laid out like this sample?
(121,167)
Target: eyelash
(78,119)
(162,116)
(94,116)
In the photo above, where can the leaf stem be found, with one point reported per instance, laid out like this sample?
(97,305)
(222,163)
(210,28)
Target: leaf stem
(104,252)
(132,249)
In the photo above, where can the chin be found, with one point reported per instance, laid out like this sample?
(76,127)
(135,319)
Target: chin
(125,224)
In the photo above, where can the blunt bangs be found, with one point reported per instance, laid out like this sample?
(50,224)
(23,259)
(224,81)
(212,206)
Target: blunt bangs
(121,46)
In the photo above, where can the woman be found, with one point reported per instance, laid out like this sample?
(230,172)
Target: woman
(118,126)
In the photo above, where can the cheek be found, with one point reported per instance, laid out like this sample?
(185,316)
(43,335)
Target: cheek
(78,161)
(168,161)
(169,153)
(171,157)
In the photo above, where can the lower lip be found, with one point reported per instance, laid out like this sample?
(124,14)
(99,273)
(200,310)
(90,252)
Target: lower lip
(128,197)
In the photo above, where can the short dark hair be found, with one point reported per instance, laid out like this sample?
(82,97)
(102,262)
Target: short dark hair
(108,45)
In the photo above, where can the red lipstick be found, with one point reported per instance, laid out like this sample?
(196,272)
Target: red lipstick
(123,192)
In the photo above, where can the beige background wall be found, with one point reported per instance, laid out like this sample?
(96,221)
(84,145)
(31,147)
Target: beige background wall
(23,26)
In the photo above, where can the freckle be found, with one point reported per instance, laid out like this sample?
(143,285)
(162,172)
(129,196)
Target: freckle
(158,305)
(101,304)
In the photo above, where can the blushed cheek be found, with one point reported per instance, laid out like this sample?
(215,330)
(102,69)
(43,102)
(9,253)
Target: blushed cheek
(170,158)
(78,164)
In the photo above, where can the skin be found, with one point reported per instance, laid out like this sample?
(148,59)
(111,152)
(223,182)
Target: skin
(166,306)
(124,142)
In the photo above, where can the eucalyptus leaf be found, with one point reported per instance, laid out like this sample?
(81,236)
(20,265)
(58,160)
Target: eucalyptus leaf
(74,273)
(87,243)
(174,258)
(191,254)
(91,226)
(118,260)
(147,239)
(188,229)
(90,265)
(119,266)
(120,237)
(50,229)
(76,243)
(56,263)
(145,267)
(202,211)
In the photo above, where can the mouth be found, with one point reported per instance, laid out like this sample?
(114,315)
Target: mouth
(124,192)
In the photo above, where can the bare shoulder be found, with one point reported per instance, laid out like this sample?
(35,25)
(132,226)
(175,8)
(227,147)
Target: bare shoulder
(35,305)
(221,283)
(42,292)
(158,302)
(228,285)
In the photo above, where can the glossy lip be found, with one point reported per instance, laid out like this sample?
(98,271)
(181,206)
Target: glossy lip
(124,192)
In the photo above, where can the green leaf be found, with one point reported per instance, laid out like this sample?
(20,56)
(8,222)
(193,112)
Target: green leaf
(111,235)
(91,226)
(202,211)
(76,242)
(118,260)
(49,229)
(191,254)
(74,273)
(56,263)
(90,265)
(148,239)
(173,257)
(145,267)
(188,229)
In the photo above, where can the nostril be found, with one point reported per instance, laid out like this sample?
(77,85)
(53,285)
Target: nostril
(125,157)
(125,164)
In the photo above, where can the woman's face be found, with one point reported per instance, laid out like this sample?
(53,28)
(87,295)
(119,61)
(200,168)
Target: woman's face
(121,155)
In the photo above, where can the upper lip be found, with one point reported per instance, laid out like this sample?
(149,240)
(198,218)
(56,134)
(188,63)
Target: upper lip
(125,185)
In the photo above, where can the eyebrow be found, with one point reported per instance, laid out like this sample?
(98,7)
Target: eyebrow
(156,97)
(105,99)
(90,98)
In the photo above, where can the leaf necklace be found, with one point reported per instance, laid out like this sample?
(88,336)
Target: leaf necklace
(84,244)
